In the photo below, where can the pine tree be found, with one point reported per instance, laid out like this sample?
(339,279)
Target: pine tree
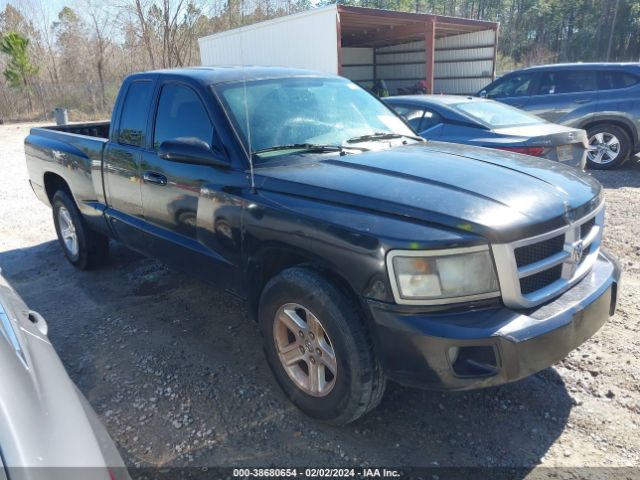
(19,69)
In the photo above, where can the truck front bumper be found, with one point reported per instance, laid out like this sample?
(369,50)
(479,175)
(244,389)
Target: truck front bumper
(466,349)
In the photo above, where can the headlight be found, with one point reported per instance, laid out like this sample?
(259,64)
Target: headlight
(442,276)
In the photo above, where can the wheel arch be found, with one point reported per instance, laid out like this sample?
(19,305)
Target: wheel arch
(272,259)
(53,183)
(619,122)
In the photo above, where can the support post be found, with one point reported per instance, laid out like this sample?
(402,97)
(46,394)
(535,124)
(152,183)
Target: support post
(495,52)
(429,48)
(339,41)
(375,65)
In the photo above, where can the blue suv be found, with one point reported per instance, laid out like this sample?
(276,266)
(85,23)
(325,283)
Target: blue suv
(602,98)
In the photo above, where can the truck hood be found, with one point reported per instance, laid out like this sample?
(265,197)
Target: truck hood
(500,195)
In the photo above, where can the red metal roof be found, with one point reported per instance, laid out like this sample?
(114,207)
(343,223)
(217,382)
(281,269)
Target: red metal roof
(370,27)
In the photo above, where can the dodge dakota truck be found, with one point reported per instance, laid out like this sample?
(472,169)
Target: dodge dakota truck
(364,252)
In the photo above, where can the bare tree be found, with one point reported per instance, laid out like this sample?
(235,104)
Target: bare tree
(42,17)
(141,7)
(170,51)
(102,25)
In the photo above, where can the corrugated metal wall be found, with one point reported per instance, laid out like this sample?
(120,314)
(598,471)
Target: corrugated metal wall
(304,40)
(401,65)
(463,63)
(357,65)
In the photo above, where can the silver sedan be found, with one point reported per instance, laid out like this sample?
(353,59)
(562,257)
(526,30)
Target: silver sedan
(48,430)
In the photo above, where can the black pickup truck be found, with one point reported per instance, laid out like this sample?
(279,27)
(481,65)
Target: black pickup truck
(364,252)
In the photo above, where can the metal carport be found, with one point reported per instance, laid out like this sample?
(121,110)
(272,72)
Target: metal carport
(453,55)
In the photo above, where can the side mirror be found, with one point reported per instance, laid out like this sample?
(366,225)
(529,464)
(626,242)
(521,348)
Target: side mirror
(483,94)
(191,150)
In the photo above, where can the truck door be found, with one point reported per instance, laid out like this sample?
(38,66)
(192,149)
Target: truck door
(192,218)
(121,162)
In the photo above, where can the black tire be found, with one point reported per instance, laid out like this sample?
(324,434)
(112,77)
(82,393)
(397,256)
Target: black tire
(92,247)
(359,381)
(624,150)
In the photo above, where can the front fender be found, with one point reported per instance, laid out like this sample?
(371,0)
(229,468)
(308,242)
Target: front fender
(350,243)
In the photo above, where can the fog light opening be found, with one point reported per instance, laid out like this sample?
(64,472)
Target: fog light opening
(475,361)
(452,353)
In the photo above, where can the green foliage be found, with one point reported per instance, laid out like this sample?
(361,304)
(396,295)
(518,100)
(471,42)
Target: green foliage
(19,68)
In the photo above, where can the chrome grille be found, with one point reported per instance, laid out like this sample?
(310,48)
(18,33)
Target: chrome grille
(586,227)
(537,269)
(538,251)
(540,280)
(585,254)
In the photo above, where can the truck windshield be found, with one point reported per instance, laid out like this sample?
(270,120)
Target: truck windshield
(306,114)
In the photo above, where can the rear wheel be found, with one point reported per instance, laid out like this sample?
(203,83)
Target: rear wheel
(83,247)
(318,347)
(609,146)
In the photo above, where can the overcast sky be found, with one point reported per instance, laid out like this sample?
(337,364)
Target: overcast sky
(54,5)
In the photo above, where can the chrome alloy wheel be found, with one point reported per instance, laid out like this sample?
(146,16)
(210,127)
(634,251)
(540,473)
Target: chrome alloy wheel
(68,231)
(305,350)
(603,148)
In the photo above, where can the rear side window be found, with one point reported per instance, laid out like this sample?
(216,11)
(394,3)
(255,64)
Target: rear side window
(420,119)
(512,86)
(133,122)
(413,115)
(430,119)
(566,81)
(613,79)
(181,114)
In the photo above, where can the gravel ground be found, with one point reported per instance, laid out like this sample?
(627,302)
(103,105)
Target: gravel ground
(176,372)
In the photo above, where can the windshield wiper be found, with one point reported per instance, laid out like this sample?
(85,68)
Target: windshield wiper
(372,137)
(309,147)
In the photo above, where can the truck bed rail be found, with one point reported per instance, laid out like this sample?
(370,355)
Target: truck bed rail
(90,129)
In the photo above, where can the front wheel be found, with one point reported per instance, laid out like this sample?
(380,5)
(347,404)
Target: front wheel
(609,147)
(84,248)
(318,347)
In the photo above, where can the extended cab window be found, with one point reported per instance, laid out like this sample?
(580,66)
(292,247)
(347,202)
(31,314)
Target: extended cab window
(567,81)
(133,123)
(181,114)
(610,80)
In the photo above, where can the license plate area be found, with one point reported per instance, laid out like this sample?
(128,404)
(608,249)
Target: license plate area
(564,153)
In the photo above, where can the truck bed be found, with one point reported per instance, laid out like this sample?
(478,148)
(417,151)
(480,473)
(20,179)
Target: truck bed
(71,154)
(89,129)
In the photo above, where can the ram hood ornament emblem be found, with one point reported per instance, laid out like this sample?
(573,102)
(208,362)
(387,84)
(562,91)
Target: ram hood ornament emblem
(576,252)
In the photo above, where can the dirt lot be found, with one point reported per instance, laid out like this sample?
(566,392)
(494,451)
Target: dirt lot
(176,372)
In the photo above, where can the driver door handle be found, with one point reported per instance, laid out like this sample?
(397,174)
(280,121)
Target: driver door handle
(155,178)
